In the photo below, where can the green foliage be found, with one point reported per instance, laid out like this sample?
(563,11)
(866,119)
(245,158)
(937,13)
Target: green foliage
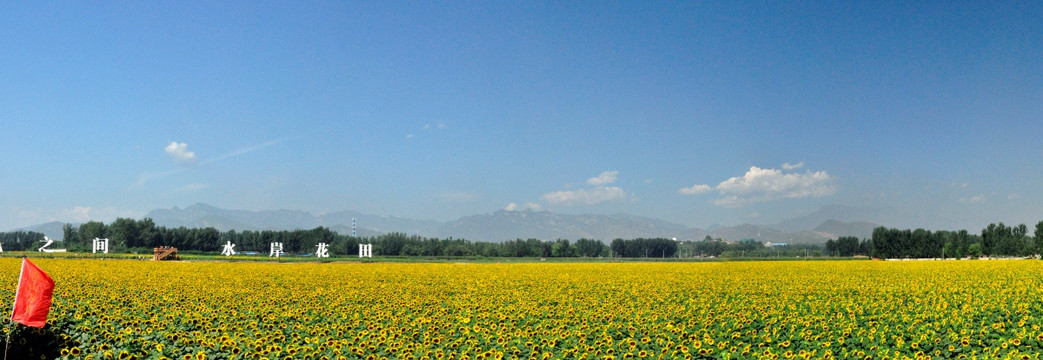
(20,240)
(894,243)
(658,247)
(590,248)
(1001,240)
(974,250)
(139,236)
(847,246)
(1038,238)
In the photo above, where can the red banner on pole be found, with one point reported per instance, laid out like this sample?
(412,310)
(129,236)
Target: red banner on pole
(32,300)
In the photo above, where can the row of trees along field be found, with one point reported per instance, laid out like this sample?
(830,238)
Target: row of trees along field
(995,240)
(140,236)
(20,240)
(747,248)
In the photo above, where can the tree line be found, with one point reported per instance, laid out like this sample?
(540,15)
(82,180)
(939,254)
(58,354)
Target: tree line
(20,240)
(995,240)
(746,248)
(140,236)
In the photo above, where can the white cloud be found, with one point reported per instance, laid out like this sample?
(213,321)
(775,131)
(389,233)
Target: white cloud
(696,189)
(772,184)
(788,166)
(598,194)
(606,177)
(179,152)
(527,206)
(428,127)
(438,125)
(585,196)
(977,199)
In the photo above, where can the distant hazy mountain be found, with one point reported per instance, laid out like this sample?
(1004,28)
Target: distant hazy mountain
(839,213)
(54,230)
(828,223)
(829,229)
(346,230)
(380,224)
(505,225)
(834,229)
(760,233)
(203,215)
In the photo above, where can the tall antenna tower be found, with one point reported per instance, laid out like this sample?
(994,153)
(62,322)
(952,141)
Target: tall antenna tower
(353,224)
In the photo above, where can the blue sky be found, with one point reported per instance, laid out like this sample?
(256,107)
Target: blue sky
(697,113)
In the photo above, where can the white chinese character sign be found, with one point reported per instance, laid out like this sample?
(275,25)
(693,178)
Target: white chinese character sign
(365,250)
(47,242)
(228,249)
(276,250)
(322,252)
(101,245)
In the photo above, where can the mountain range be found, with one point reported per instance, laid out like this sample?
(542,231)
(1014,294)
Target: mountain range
(828,223)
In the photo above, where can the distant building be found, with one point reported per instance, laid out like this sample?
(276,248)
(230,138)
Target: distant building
(773,244)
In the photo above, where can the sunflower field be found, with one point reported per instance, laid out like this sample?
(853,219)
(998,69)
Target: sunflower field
(128,309)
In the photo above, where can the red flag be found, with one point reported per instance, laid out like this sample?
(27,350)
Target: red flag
(32,300)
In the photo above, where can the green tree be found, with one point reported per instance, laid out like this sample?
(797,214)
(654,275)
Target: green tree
(1020,240)
(561,248)
(619,247)
(589,248)
(963,243)
(1039,237)
(148,234)
(831,248)
(91,230)
(712,247)
(847,246)
(71,237)
(974,250)
(123,234)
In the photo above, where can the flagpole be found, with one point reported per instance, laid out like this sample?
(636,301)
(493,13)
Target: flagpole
(21,270)
(10,329)
(7,343)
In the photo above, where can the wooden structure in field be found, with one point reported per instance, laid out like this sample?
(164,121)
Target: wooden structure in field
(165,253)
